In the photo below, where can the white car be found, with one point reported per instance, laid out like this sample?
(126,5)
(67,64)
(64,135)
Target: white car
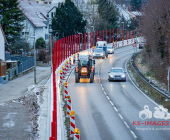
(110,49)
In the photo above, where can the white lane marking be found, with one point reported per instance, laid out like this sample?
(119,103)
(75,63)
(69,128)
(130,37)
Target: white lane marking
(111,103)
(98,73)
(133,134)
(120,116)
(102,88)
(116,109)
(108,97)
(126,124)
(104,92)
(101,84)
(98,76)
(137,87)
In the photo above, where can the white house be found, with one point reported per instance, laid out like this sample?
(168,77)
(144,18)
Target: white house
(36,23)
(2,43)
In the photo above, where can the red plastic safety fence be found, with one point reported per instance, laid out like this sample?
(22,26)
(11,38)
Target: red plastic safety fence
(99,36)
(79,42)
(106,35)
(109,35)
(120,34)
(87,41)
(84,41)
(90,40)
(93,38)
(116,34)
(72,44)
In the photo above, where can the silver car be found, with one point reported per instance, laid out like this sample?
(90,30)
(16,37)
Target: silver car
(110,49)
(98,53)
(117,74)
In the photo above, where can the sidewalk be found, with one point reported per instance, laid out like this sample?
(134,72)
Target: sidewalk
(17,87)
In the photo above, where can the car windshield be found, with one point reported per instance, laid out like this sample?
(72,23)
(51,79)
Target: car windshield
(98,50)
(109,47)
(116,70)
(83,62)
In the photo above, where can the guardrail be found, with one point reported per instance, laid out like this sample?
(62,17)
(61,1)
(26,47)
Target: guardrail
(144,79)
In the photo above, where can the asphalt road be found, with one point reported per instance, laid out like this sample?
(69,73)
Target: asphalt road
(108,110)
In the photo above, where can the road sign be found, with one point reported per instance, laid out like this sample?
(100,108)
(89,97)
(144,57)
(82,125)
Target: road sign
(134,44)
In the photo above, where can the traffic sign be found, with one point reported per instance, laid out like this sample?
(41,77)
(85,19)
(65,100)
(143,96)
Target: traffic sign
(134,44)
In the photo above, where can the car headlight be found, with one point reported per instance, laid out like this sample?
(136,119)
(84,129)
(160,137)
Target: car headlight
(123,75)
(111,75)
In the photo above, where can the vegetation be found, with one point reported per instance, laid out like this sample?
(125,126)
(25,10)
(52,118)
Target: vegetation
(40,43)
(108,15)
(135,4)
(68,20)
(11,21)
(155,28)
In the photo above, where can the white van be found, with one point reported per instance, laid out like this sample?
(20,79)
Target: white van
(110,48)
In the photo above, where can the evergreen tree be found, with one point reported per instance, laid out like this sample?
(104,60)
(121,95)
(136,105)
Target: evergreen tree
(40,43)
(68,20)
(135,4)
(107,12)
(12,20)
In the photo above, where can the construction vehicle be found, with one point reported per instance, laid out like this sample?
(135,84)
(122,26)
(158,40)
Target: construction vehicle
(85,68)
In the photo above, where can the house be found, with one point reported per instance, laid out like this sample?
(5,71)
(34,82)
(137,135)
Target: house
(36,23)
(2,44)
(42,1)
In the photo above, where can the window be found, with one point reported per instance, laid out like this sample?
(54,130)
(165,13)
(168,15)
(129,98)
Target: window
(45,2)
(46,37)
(52,14)
(22,33)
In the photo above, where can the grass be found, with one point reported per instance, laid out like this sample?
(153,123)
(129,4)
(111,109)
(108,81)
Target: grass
(149,91)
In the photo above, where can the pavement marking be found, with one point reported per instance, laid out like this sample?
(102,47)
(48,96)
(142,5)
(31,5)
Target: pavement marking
(133,134)
(102,88)
(98,73)
(116,109)
(120,116)
(111,103)
(137,87)
(108,97)
(104,92)
(126,124)
(101,84)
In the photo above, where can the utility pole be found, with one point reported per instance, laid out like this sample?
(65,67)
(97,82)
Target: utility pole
(34,59)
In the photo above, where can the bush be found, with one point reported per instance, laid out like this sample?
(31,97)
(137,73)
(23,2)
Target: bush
(42,53)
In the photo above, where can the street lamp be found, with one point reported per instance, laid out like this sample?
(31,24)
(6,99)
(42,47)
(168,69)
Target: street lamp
(50,38)
(34,57)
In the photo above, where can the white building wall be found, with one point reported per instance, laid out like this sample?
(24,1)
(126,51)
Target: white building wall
(28,32)
(2,46)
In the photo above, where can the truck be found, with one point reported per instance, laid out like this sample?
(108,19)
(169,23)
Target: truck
(85,68)
(101,45)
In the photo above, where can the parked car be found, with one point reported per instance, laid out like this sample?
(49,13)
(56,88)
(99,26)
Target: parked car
(117,74)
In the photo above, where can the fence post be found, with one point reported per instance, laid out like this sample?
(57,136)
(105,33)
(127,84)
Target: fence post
(106,35)
(109,35)
(79,43)
(120,33)
(116,34)
(84,41)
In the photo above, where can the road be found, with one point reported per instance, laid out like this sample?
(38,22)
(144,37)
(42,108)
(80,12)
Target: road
(107,110)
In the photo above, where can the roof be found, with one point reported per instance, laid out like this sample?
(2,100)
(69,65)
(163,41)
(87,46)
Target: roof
(136,13)
(58,1)
(34,12)
(3,34)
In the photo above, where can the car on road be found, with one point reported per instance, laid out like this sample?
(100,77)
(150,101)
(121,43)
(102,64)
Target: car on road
(142,45)
(117,74)
(110,49)
(98,53)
